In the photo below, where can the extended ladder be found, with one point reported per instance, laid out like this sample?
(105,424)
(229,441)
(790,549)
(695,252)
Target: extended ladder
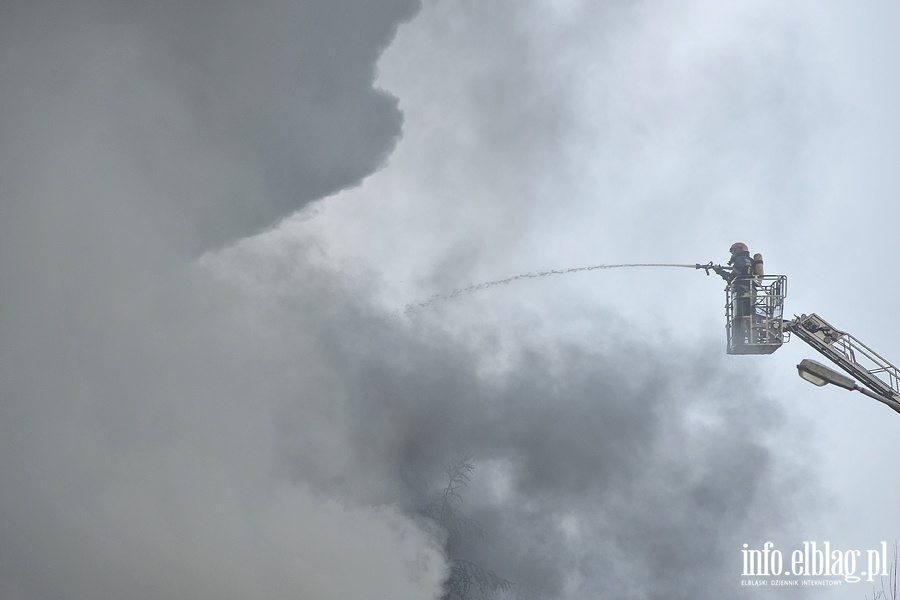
(854,357)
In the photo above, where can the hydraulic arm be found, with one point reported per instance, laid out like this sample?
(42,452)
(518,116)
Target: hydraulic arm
(847,352)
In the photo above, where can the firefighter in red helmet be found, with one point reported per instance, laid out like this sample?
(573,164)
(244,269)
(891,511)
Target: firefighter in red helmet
(740,261)
(740,265)
(739,274)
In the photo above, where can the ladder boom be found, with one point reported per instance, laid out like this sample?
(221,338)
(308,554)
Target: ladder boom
(847,352)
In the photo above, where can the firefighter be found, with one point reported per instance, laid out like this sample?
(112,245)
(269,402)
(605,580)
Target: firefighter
(739,276)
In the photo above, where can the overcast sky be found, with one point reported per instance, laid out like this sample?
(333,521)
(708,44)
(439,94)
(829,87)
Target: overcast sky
(212,217)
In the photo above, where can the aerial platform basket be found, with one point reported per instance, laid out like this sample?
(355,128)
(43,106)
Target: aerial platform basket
(754,310)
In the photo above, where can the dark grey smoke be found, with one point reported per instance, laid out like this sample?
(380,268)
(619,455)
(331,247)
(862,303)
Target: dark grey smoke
(137,396)
(216,119)
(605,470)
(162,435)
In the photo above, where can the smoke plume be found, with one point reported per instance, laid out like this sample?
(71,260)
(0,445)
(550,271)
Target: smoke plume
(251,425)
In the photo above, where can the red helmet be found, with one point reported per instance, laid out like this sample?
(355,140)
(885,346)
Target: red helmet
(739,247)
